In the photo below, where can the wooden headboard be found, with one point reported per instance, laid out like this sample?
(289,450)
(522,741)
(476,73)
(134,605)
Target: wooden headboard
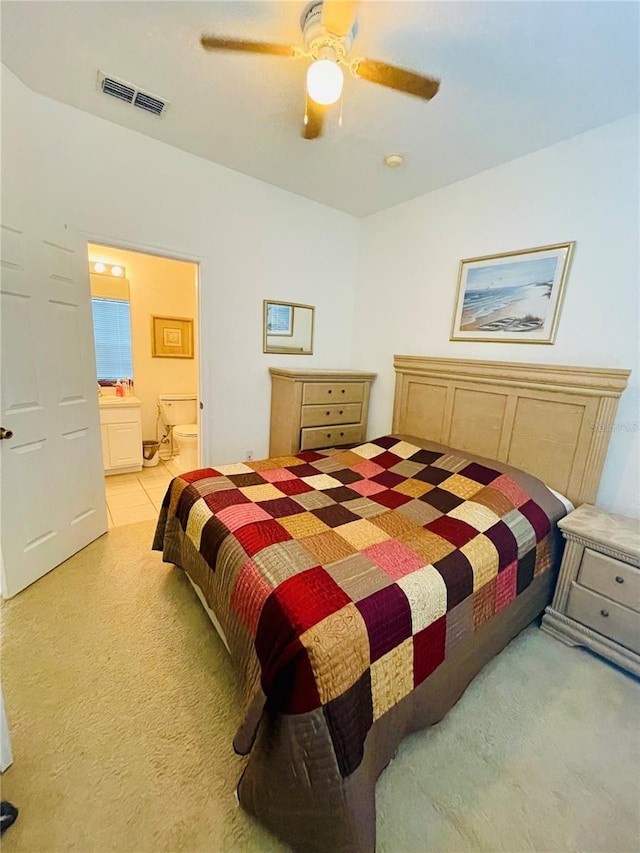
(553,422)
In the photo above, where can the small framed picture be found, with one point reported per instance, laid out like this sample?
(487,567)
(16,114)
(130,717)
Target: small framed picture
(171,337)
(514,297)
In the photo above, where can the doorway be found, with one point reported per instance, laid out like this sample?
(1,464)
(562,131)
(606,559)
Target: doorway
(145,318)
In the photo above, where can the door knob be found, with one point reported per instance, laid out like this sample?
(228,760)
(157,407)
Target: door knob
(5,433)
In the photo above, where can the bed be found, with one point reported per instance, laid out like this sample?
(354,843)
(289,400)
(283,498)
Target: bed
(360,590)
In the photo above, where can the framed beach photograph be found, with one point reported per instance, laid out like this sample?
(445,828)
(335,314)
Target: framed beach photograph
(512,298)
(171,337)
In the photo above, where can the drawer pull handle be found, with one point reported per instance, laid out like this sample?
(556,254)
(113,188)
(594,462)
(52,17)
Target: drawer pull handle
(340,412)
(328,435)
(619,579)
(327,413)
(342,392)
(341,433)
(604,612)
(329,391)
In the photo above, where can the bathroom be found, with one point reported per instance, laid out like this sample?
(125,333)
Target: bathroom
(145,317)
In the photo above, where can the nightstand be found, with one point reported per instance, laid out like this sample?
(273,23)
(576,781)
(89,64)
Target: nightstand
(597,600)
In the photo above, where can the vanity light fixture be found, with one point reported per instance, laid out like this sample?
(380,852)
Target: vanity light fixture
(107,269)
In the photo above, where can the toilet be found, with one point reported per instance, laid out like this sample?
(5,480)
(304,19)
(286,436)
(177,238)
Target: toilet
(180,413)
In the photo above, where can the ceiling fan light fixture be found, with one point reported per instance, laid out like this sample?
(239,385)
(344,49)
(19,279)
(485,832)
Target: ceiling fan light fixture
(324,82)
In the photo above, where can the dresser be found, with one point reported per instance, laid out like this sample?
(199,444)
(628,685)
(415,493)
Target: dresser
(313,409)
(597,599)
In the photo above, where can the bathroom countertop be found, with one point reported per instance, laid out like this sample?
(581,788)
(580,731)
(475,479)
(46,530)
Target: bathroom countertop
(110,401)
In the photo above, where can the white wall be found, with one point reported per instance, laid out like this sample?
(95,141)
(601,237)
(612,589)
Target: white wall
(254,241)
(584,189)
(163,287)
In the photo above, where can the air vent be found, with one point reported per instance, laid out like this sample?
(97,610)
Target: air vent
(118,89)
(149,103)
(131,95)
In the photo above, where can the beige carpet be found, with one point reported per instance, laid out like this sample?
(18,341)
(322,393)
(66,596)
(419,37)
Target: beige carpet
(122,706)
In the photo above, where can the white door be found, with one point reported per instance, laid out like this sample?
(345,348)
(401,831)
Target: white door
(52,486)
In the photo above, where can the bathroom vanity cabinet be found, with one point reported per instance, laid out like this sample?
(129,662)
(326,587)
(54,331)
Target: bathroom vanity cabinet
(121,433)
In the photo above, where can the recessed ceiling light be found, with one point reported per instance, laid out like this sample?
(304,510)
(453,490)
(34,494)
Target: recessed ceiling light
(393,160)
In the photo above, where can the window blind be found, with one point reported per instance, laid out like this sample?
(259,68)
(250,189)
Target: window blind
(279,319)
(112,335)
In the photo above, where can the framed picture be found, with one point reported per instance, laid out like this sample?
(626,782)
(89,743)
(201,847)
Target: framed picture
(514,297)
(171,337)
(279,319)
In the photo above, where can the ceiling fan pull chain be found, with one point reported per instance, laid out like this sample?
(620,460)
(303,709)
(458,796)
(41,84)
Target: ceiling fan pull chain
(341,103)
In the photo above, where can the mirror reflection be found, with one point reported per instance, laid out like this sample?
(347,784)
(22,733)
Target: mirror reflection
(288,327)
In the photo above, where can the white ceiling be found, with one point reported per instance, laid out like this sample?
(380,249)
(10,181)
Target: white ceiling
(516,77)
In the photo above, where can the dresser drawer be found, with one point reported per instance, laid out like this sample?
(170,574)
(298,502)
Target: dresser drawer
(349,413)
(331,436)
(610,577)
(332,392)
(613,620)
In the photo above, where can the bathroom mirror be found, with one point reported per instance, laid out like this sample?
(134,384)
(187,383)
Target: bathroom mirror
(288,328)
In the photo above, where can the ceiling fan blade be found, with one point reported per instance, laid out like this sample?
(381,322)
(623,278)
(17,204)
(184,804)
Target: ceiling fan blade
(222,43)
(397,78)
(312,129)
(338,16)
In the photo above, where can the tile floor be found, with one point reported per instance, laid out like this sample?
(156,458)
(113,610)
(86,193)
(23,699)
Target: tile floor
(138,497)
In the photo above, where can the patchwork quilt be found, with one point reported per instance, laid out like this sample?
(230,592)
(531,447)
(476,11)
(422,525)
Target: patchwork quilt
(343,578)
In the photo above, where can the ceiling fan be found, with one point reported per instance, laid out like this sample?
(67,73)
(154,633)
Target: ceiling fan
(328,30)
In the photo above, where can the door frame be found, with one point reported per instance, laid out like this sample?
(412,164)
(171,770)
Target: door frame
(173,255)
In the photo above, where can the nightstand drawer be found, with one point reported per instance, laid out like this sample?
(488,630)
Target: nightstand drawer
(350,413)
(610,577)
(330,436)
(333,392)
(604,616)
